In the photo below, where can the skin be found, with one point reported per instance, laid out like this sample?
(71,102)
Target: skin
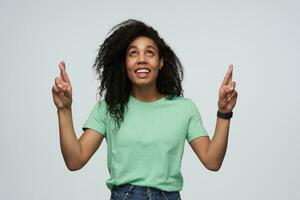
(143,52)
(140,53)
(211,152)
(76,152)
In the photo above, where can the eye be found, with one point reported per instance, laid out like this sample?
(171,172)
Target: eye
(132,53)
(150,53)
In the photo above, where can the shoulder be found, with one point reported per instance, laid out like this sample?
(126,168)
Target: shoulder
(180,99)
(185,102)
(100,106)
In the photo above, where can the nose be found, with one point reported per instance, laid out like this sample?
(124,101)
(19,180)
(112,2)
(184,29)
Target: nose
(141,59)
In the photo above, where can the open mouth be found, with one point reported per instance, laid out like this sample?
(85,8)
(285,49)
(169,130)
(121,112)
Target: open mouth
(142,72)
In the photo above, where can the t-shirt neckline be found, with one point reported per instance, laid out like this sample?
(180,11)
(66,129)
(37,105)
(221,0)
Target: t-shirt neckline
(135,100)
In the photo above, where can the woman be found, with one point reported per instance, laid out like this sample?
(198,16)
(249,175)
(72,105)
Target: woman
(144,117)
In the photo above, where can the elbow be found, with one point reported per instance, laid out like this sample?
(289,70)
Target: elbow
(72,169)
(213,166)
(73,166)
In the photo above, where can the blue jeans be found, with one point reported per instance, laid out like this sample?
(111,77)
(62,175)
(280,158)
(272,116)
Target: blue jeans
(132,192)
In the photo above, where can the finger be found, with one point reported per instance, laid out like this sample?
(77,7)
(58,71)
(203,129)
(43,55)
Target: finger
(232,85)
(226,89)
(226,92)
(231,74)
(60,84)
(55,89)
(57,81)
(229,88)
(63,72)
(228,76)
(233,95)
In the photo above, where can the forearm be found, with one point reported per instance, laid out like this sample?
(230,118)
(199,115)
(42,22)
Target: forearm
(227,99)
(70,146)
(217,148)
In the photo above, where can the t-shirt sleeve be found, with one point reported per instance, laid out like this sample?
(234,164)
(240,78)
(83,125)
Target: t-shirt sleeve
(97,118)
(195,126)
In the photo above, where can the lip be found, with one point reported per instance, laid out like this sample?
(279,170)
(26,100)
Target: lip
(142,68)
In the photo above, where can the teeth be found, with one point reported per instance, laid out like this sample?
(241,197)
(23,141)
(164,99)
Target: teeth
(143,70)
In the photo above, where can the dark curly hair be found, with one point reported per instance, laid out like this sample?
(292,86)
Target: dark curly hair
(110,66)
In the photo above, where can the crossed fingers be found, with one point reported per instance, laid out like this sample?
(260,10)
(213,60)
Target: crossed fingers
(228,86)
(62,84)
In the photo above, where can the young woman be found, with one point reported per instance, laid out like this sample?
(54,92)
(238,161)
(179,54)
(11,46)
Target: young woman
(143,117)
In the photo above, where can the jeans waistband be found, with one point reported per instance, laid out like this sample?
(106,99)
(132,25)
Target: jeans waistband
(134,189)
(143,192)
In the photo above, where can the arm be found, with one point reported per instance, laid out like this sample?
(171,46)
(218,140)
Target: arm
(76,153)
(212,152)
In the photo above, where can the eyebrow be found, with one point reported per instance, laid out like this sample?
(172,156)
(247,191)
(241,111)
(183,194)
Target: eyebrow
(148,46)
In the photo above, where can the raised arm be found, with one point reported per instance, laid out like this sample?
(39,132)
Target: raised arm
(211,152)
(76,153)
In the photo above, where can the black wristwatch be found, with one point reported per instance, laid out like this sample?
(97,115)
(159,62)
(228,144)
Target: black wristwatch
(224,115)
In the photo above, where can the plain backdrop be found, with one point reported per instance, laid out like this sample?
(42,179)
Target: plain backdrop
(260,38)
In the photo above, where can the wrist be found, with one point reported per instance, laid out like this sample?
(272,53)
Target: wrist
(224,114)
(64,109)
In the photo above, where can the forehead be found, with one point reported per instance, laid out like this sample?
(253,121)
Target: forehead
(142,42)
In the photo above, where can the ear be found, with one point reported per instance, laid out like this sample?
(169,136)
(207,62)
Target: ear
(161,63)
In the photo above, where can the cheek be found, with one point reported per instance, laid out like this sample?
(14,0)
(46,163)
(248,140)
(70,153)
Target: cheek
(129,71)
(156,68)
(155,73)
(129,67)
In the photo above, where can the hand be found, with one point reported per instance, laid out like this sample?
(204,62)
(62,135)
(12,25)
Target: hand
(62,89)
(227,93)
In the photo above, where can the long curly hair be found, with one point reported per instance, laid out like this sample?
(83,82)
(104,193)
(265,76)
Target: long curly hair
(110,66)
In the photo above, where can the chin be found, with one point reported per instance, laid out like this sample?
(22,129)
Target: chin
(143,83)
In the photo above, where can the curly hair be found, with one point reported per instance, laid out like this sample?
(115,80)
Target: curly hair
(110,66)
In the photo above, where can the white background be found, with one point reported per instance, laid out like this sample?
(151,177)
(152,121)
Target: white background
(260,38)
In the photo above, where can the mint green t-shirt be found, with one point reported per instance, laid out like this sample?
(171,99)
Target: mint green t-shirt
(147,149)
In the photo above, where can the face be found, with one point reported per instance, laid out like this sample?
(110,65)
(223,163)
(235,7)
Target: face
(142,62)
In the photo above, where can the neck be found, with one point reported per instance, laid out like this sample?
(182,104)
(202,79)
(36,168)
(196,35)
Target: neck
(146,94)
